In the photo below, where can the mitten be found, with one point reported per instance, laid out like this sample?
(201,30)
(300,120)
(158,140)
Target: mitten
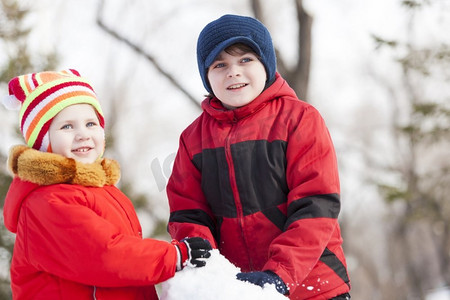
(191,251)
(262,278)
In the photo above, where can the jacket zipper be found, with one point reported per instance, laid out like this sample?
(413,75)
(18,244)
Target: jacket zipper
(233,183)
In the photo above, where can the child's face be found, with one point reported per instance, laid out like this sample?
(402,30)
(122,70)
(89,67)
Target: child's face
(237,80)
(75,132)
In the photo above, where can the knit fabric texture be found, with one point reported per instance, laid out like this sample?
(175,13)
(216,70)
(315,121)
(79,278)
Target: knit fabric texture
(41,96)
(229,30)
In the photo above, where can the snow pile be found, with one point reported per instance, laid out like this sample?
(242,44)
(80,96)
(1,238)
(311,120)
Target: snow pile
(217,281)
(439,294)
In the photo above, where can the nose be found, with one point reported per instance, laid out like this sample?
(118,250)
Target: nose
(82,135)
(234,70)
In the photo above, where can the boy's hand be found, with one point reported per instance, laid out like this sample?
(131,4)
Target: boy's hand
(261,278)
(191,251)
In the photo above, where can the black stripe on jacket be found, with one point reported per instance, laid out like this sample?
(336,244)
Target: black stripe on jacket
(317,206)
(260,174)
(331,260)
(195,216)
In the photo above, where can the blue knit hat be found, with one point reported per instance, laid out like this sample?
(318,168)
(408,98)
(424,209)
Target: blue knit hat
(229,30)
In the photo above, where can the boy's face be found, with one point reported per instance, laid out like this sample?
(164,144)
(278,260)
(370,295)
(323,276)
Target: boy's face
(237,80)
(75,132)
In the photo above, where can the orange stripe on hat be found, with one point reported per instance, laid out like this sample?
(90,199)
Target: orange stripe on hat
(25,83)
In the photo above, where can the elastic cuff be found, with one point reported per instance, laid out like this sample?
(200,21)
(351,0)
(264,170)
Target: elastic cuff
(279,283)
(179,265)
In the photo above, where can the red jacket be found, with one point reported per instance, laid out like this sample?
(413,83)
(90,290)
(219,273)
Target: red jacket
(81,240)
(261,183)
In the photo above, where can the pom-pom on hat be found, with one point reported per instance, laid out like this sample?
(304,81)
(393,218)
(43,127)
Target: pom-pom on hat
(229,30)
(41,96)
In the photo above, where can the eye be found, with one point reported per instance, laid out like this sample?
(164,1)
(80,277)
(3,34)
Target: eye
(246,59)
(219,65)
(66,126)
(91,124)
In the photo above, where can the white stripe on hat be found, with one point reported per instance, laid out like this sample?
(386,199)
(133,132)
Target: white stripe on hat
(31,83)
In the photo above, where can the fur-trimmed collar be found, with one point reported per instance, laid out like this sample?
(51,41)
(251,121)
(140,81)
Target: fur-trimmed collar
(45,168)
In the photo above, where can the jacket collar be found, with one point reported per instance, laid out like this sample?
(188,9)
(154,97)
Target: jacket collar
(45,168)
(215,109)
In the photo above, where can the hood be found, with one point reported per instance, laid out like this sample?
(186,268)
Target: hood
(280,88)
(32,169)
(18,190)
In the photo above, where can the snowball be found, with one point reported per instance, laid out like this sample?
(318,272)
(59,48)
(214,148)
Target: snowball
(217,281)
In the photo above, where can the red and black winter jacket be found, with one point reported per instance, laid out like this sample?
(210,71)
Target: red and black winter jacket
(261,183)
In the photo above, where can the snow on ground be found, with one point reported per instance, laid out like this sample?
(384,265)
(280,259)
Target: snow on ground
(217,281)
(439,294)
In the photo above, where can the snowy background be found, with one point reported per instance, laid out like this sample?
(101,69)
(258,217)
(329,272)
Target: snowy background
(149,113)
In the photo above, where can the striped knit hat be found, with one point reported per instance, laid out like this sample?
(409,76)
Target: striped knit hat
(41,96)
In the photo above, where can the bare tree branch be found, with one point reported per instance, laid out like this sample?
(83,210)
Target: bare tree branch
(297,75)
(147,56)
(257,9)
(301,73)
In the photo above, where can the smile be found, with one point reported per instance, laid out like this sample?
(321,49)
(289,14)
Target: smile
(83,149)
(236,86)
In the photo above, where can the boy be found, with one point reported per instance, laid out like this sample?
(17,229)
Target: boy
(77,235)
(256,172)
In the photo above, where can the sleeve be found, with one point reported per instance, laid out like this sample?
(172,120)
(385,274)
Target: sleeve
(190,214)
(313,200)
(66,238)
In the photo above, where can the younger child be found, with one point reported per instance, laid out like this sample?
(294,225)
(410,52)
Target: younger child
(256,172)
(77,236)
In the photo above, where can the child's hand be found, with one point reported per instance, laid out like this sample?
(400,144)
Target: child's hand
(192,251)
(262,278)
